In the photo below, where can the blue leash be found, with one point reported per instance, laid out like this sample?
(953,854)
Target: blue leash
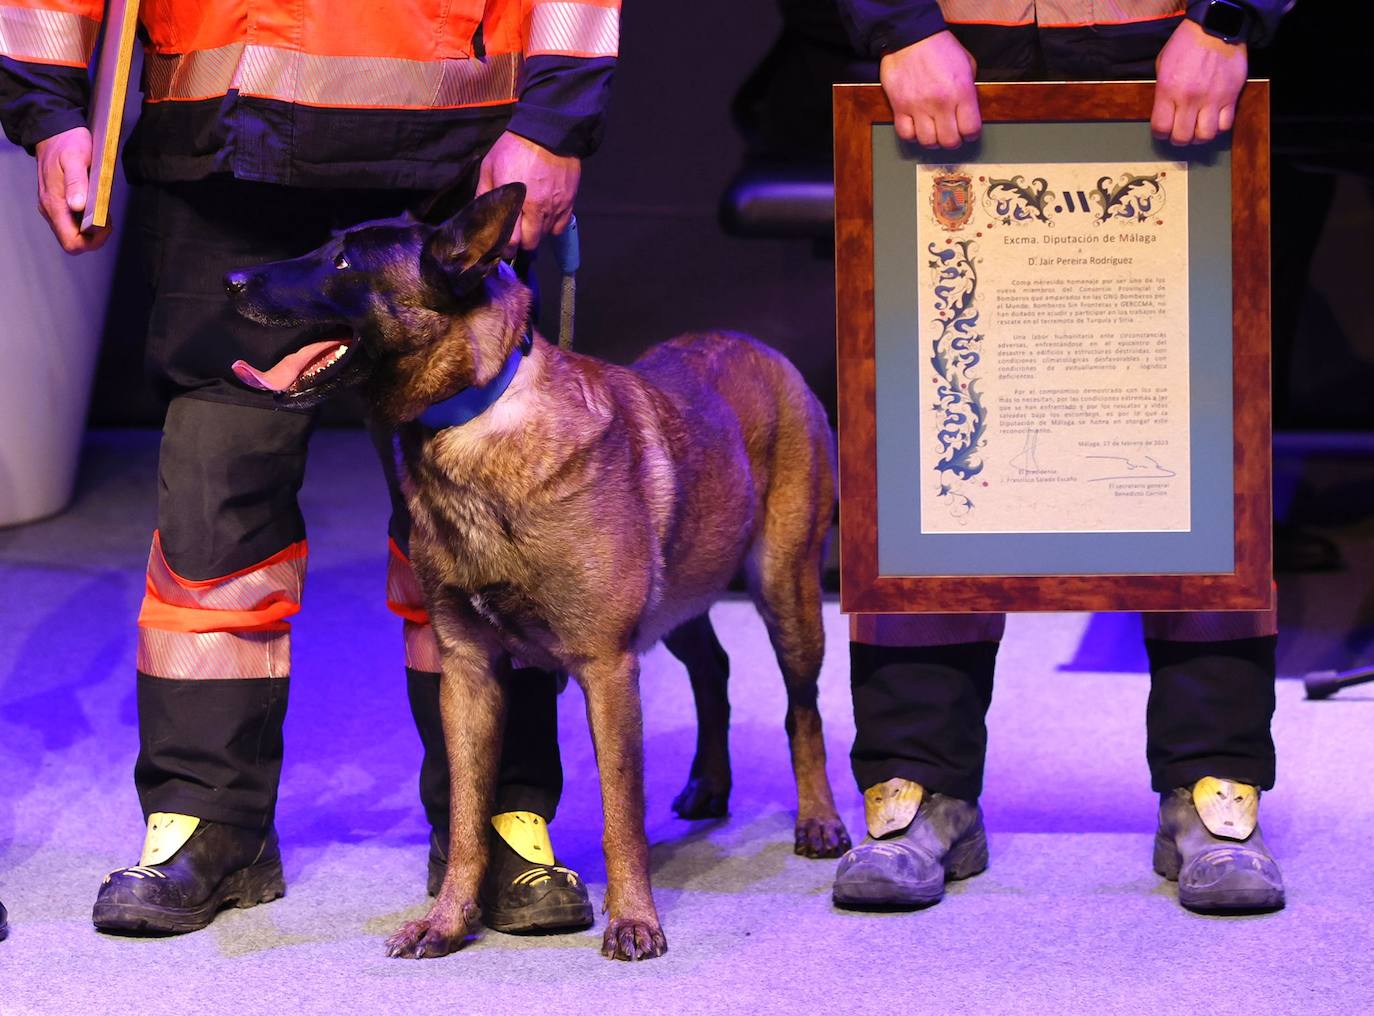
(567,251)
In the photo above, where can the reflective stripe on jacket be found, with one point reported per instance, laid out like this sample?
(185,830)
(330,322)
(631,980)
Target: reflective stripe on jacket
(348,93)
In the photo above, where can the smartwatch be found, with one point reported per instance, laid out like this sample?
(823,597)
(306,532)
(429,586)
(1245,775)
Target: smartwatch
(1226,19)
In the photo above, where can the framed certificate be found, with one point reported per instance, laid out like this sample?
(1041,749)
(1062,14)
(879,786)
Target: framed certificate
(1053,350)
(108,92)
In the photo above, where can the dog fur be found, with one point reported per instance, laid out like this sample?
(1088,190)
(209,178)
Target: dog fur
(591,511)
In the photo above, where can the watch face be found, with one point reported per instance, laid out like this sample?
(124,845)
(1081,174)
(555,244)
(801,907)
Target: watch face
(1225,19)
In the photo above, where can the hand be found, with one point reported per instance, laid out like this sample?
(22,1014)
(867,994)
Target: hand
(64,172)
(550,186)
(1199,80)
(930,87)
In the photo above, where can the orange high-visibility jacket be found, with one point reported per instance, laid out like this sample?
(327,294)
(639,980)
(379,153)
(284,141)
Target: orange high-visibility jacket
(337,93)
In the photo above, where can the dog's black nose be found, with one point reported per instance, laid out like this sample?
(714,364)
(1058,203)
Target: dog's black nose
(235,283)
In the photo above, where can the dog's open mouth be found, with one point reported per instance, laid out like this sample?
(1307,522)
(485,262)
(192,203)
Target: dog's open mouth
(305,370)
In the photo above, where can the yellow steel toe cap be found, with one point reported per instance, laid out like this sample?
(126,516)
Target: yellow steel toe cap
(1229,810)
(890,806)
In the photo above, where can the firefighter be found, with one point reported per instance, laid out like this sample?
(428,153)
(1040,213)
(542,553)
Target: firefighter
(922,684)
(263,128)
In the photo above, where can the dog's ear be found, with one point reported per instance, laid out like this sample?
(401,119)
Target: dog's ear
(444,204)
(470,243)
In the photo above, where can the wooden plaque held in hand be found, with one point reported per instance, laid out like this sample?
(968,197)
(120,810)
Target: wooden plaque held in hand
(1053,358)
(108,91)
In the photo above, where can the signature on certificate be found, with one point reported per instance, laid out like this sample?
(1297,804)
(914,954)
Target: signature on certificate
(1131,467)
(1027,460)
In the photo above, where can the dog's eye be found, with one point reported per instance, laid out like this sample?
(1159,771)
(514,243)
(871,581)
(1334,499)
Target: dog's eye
(341,262)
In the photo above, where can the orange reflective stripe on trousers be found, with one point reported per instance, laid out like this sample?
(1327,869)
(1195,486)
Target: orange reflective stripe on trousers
(403,598)
(233,626)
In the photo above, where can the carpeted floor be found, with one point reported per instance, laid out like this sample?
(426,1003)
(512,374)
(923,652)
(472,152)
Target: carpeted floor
(1068,919)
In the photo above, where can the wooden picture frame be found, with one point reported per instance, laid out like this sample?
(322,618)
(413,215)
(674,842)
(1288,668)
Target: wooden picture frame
(861,111)
(109,89)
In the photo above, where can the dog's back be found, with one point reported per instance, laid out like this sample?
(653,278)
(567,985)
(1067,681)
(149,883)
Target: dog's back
(746,464)
(782,421)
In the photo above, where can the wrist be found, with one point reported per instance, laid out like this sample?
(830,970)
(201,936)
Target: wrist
(40,131)
(566,135)
(916,27)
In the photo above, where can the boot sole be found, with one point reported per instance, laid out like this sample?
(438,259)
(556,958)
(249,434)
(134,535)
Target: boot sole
(1168,862)
(247,887)
(574,915)
(543,918)
(965,859)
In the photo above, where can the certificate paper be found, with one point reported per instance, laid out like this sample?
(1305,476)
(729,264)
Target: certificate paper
(1054,342)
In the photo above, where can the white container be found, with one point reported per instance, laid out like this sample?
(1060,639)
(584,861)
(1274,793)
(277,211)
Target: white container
(52,314)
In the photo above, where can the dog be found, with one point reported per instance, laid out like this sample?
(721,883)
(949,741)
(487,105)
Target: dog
(583,512)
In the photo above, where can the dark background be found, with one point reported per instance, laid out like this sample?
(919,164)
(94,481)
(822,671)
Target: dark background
(656,262)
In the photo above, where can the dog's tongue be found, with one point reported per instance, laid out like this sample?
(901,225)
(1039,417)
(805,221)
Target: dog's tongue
(287,370)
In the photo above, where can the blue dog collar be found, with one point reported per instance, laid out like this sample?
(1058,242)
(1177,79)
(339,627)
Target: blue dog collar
(472,402)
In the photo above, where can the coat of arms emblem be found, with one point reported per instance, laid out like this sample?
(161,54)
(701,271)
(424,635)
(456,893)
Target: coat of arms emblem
(951,199)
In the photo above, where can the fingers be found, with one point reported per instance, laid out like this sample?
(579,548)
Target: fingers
(94,238)
(1208,120)
(1162,115)
(969,120)
(517,240)
(1184,129)
(947,130)
(550,187)
(1199,80)
(930,88)
(950,129)
(52,205)
(534,221)
(530,229)
(64,166)
(76,172)
(924,132)
(1180,123)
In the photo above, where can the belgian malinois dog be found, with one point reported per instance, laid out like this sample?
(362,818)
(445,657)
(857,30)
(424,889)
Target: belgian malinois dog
(583,513)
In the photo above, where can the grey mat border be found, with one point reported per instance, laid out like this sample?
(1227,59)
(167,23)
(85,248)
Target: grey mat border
(902,548)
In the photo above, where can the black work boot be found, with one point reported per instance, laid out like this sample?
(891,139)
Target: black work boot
(519,895)
(4,923)
(1209,842)
(217,866)
(908,866)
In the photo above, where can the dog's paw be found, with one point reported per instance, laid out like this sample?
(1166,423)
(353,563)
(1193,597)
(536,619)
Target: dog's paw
(426,939)
(698,800)
(629,939)
(821,837)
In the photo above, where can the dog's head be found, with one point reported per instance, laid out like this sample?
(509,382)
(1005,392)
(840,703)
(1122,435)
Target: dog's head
(411,310)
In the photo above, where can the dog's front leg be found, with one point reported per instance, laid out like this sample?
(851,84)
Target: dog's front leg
(472,708)
(613,711)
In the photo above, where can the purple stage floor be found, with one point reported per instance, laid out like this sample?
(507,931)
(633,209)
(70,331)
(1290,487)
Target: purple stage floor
(1069,918)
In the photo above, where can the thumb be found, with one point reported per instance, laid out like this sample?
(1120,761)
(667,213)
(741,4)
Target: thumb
(76,168)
